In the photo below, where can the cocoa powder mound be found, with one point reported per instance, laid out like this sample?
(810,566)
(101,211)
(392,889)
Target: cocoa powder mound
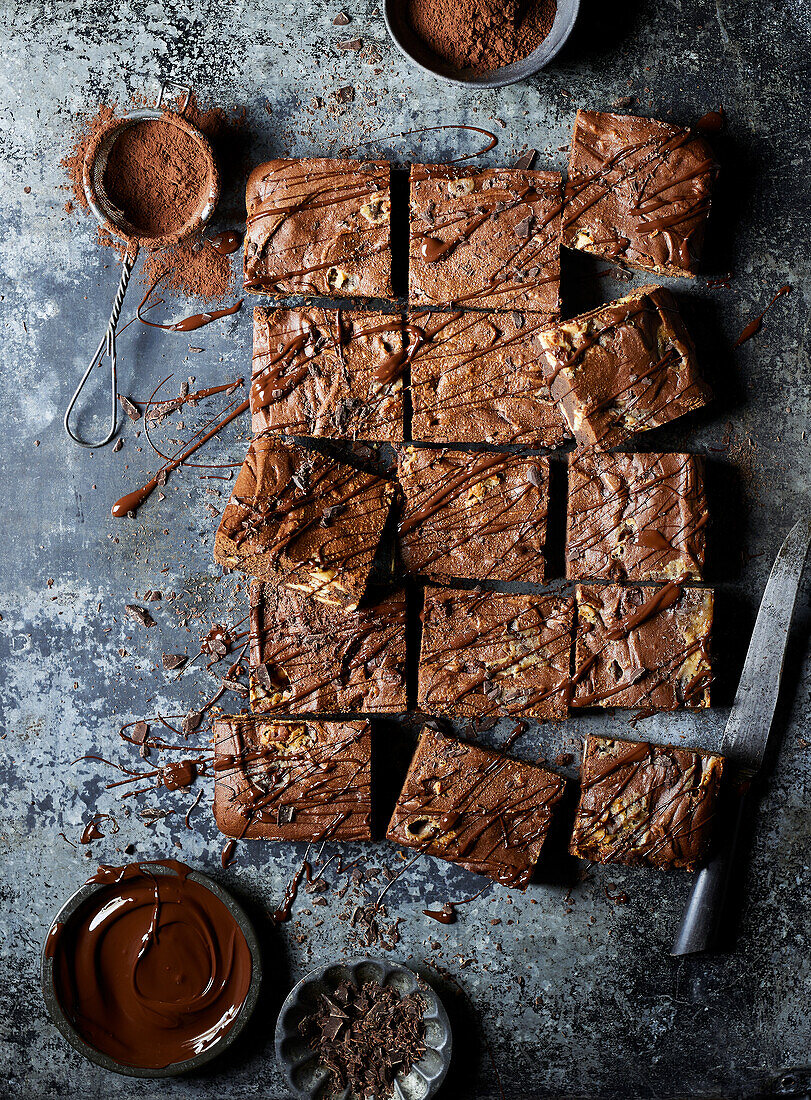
(482,35)
(157,175)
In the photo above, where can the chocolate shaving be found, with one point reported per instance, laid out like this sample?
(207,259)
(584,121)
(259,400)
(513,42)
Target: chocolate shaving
(119,443)
(140,614)
(535,477)
(234,685)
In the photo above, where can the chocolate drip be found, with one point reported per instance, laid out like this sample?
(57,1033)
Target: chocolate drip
(153,969)
(755,325)
(225,243)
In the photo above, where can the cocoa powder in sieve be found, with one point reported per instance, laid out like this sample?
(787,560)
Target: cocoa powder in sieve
(482,34)
(158,176)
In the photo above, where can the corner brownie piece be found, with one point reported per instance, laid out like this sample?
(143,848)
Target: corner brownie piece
(473,515)
(624,368)
(639,517)
(478,377)
(307,658)
(638,647)
(645,804)
(319,226)
(303,520)
(476,808)
(292,780)
(638,192)
(492,653)
(331,373)
(485,238)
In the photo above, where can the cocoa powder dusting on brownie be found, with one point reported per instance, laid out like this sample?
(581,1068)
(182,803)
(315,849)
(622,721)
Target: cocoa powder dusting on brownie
(482,34)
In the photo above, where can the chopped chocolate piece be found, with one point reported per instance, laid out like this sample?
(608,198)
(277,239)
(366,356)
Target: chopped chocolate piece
(464,247)
(131,409)
(341,19)
(638,192)
(639,647)
(119,443)
(478,377)
(319,227)
(309,658)
(140,732)
(494,653)
(623,368)
(174,660)
(345,95)
(331,373)
(292,780)
(271,525)
(642,803)
(638,517)
(476,516)
(140,614)
(475,807)
(350,44)
(527,159)
(365,1038)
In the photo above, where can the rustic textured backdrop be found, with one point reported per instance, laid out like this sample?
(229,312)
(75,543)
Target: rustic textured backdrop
(567,992)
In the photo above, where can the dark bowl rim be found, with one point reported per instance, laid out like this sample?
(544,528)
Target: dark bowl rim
(497,78)
(389,967)
(175,1069)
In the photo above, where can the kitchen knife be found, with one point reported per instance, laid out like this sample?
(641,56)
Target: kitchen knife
(746,735)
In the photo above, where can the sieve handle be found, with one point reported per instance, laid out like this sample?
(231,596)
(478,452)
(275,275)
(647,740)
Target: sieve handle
(106,346)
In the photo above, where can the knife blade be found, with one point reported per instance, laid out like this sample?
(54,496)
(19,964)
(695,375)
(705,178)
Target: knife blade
(746,736)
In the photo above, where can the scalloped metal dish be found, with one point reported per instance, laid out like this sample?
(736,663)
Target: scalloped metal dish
(299,1063)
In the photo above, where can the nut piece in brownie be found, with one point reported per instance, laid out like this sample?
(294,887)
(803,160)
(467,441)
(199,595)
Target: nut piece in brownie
(292,780)
(301,519)
(319,227)
(330,373)
(492,653)
(477,515)
(642,803)
(474,807)
(643,647)
(308,658)
(624,368)
(479,378)
(639,517)
(638,192)
(485,238)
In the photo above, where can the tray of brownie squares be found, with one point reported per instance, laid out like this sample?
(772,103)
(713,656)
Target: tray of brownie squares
(468,381)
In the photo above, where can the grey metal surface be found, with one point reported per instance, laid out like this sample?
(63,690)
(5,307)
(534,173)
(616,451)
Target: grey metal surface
(569,992)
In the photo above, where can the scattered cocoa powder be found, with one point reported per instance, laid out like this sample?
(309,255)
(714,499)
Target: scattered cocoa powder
(194,269)
(88,128)
(157,174)
(482,34)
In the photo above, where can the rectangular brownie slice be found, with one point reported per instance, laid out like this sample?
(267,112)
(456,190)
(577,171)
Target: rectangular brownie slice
(319,226)
(479,378)
(642,803)
(639,517)
(301,519)
(643,647)
(292,780)
(493,653)
(331,373)
(638,192)
(485,238)
(308,658)
(623,368)
(474,807)
(481,516)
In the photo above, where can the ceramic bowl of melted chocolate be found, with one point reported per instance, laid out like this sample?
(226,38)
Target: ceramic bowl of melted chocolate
(151,970)
(513,40)
(365,1027)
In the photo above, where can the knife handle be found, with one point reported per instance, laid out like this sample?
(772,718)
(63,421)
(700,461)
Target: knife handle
(699,925)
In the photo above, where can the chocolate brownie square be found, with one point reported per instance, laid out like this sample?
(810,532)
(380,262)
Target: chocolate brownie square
(301,519)
(292,780)
(331,373)
(476,515)
(309,658)
(638,192)
(493,653)
(643,647)
(479,378)
(477,808)
(639,517)
(647,804)
(319,226)
(485,238)
(624,368)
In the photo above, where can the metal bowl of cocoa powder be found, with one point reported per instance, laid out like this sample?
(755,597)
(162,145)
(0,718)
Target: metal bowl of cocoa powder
(480,43)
